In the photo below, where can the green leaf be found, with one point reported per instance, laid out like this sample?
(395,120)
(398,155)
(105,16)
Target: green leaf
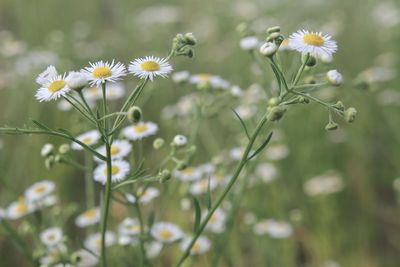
(197,218)
(243,124)
(209,202)
(261,147)
(41,126)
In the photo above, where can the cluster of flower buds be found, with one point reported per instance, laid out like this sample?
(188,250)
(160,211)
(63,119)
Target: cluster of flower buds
(182,45)
(273,41)
(52,156)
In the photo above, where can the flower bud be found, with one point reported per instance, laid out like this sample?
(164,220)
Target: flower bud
(57,159)
(158,143)
(49,162)
(276,113)
(339,106)
(350,114)
(334,77)
(134,114)
(64,149)
(326,58)
(164,176)
(180,140)
(76,80)
(181,165)
(331,126)
(75,258)
(190,39)
(274,101)
(304,100)
(273,36)
(268,49)
(274,29)
(242,28)
(47,150)
(311,61)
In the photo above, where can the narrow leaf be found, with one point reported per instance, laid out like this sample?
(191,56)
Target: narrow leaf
(41,125)
(197,218)
(209,202)
(261,147)
(243,124)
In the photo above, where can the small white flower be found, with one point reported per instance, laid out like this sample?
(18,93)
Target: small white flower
(315,43)
(39,190)
(126,240)
(326,58)
(207,80)
(114,91)
(277,152)
(189,174)
(76,80)
(202,186)
(327,183)
(51,236)
(180,140)
(19,209)
(249,43)
(93,242)
(101,72)
(89,138)
(201,245)
(181,76)
(145,195)
(275,229)
(284,46)
(49,73)
(166,232)
(52,89)
(153,249)
(268,49)
(267,172)
(216,224)
(129,226)
(47,149)
(334,77)
(150,67)
(236,91)
(119,171)
(89,217)
(64,105)
(119,150)
(86,259)
(140,130)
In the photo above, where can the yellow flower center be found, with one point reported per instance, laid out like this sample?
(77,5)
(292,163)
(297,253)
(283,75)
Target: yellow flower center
(188,171)
(214,218)
(39,189)
(196,248)
(56,86)
(140,128)
(285,42)
(22,207)
(114,170)
(204,77)
(87,140)
(135,227)
(165,234)
(150,66)
(313,39)
(90,214)
(115,150)
(102,72)
(51,237)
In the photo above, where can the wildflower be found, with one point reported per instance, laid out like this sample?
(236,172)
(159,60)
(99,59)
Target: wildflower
(101,72)
(268,49)
(93,242)
(201,245)
(76,80)
(205,80)
(153,249)
(89,217)
(49,73)
(47,149)
(158,143)
(119,150)
(140,130)
(284,46)
(83,258)
(180,140)
(166,232)
(145,195)
(216,224)
(314,43)
(129,226)
(267,172)
(39,190)
(189,174)
(134,114)
(202,186)
(327,183)
(180,76)
(334,77)
(277,152)
(51,236)
(52,89)
(89,138)
(249,43)
(150,67)
(19,208)
(119,171)
(278,230)
(114,91)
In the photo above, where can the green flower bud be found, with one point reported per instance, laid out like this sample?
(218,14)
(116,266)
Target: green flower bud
(64,149)
(304,100)
(75,258)
(274,29)
(339,106)
(331,126)
(274,101)
(57,159)
(278,40)
(311,62)
(134,114)
(350,114)
(49,162)
(164,176)
(334,77)
(158,143)
(242,28)
(47,150)
(276,113)
(190,39)
(273,36)
(181,165)
(268,49)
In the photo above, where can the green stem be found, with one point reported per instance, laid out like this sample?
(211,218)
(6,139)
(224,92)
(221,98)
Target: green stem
(300,71)
(222,196)
(142,233)
(89,184)
(19,243)
(73,164)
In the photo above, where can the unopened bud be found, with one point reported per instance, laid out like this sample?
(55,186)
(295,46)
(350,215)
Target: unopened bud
(158,143)
(134,114)
(268,49)
(334,77)
(164,176)
(181,165)
(64,149)
(47,150)
(190,39)
(180,140)
(49,162)
(350,114)
(276,113)
(311,61)
(272,102)
(331,126)
(273,29)
(339,106)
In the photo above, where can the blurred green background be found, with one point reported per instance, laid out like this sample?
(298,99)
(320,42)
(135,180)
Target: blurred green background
(359,226)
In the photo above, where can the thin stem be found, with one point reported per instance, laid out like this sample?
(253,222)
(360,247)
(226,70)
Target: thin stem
(19,243)
(142,233)
(222,196)
(300,71)
(113,114)
(86,104)
(80,110)
(89,184)
(73,164)
(317,100)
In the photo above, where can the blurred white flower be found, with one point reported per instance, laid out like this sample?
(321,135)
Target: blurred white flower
(119,171)
(150,67)
(89,217)
(140,130)
(327,183)
(166,232)
(88,138)
(39,190)
(93,242)
(201,245)
(249,43)
(51,236)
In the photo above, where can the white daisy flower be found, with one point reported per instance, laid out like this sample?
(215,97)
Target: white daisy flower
(101,72)
(119,150)
(284,46)
(140,130)
(119,171)
(216,224)
(93,242)
(189,174)
(149,67)
(49,73)
(180,76)
(52,89)
(51,236)
(277,152)
(153,249)
(201,245)
(86,259)
(327,183)
(249,43)
(89,138)
(89,217)
(19,209)
(145,195)
(315,43)
(129,226)
(267,172)
(202,186)
(39,190)
(278,230)
(208,80)
(115,91)
(166,232)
